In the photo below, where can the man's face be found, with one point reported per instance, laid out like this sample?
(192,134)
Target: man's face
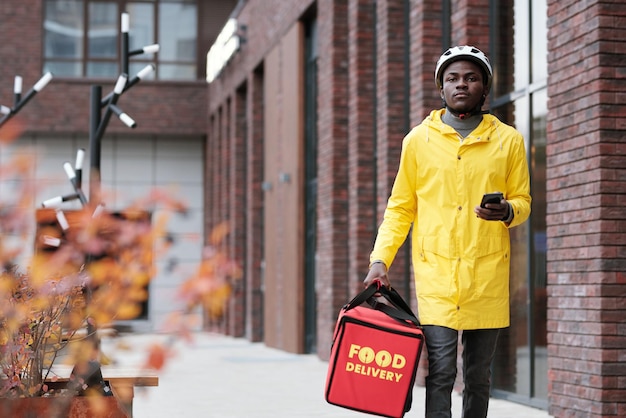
(463,86)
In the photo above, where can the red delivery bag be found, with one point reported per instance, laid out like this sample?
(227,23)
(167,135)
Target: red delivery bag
(375,353)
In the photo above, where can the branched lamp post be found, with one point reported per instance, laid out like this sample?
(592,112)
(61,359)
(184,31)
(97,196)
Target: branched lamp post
(19,101)
(98,122)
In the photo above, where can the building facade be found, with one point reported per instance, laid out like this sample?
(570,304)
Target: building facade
(79,42)
(305,123)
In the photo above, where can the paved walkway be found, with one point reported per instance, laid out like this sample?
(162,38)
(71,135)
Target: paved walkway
(223,377)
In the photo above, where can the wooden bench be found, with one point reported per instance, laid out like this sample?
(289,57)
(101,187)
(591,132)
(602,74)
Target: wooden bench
(122,380)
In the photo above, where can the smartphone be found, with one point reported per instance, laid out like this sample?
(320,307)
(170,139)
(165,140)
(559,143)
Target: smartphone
(491,198)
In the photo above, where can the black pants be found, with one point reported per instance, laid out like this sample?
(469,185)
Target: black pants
(478,351)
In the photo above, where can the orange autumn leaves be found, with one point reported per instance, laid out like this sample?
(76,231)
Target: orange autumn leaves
(158,354)
(111,252)
(210,286)
(100,273)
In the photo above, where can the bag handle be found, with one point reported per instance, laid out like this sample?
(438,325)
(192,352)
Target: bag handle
(398,310)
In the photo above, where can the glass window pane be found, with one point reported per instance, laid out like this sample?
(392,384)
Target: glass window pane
(64,68)
(102,69)
(512,362)
(177,32)
(502,56)
(176,71)
(63,29)
(103,30)
(511,37)
(141,31)
(520,35)
(521,38)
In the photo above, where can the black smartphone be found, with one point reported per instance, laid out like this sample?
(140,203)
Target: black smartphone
(491,198)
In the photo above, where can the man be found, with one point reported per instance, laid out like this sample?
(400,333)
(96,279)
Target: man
(460,250)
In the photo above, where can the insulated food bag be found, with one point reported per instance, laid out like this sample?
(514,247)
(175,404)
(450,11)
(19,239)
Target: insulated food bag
(376,348)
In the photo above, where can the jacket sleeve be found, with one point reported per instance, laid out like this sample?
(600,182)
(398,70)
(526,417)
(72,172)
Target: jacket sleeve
(518,184)
(401,206)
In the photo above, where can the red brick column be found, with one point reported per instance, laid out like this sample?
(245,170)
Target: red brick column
(586,156)
(470,24)
(224,162)
(361,137)
(213,181)
(391,110)
(332,207)
(213,169)
(221,203)
(237,209)
(254,208)
(426,35)
(209,173)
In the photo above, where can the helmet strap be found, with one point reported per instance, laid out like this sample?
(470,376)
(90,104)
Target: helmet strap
(465,115)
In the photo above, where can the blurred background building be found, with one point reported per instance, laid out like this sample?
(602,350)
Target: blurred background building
(79,42)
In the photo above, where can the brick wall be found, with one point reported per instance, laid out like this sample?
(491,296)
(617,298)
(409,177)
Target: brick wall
(215,177)
(586,211)
(254,208)
(237,209)
(211,171)
(426,35)
(361,137)
(470,23)
(266,22)
(392,104)
(20,29)
(332,216)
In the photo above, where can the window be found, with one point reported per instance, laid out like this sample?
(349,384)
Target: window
(519,97)
(82,37)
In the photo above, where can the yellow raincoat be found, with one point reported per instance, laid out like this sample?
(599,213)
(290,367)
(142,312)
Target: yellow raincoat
(461,262)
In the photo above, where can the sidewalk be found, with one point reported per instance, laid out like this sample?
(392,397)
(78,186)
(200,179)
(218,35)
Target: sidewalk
(223,377)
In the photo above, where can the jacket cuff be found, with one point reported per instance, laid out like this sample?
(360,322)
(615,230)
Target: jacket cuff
(377,262)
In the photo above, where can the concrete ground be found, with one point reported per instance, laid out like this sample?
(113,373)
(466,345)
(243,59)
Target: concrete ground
(222,377)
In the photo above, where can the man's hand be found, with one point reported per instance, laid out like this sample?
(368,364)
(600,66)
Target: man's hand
(377,271)
(493,211)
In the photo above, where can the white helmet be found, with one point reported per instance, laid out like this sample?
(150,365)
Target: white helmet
(457,53)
